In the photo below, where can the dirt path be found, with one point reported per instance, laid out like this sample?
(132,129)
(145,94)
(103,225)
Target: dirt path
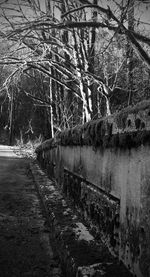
(24,238)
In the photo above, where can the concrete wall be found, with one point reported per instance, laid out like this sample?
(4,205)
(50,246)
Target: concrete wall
(126,176)
(110,187)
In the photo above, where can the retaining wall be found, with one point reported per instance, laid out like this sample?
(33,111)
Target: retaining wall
(104,167)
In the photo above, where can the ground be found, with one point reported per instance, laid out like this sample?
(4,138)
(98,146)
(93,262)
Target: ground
(25,248)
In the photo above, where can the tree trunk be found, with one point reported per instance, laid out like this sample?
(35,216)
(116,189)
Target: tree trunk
(50,108)
(11,117)
(86,115)
(93,87)
(130,52)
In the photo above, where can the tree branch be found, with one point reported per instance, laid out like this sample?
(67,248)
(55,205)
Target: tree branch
(39,67)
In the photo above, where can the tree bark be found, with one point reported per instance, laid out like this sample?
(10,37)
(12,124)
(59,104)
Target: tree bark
(51,108)
(11,117)
(130,52)
(93,87)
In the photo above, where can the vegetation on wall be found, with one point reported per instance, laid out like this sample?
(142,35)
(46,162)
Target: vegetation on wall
(125,129)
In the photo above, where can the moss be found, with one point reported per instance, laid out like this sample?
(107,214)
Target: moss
(66,137)
(99,133)
(46,145)
(85,133)
(91,133)
(76,135)
(125,140)
(121,119)
(114,141)
(109,128)
(106,141)
(138,123)
(142,137)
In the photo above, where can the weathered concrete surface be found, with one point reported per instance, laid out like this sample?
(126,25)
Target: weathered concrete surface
(112,155)
(80,253)
(126,176)
(25,249)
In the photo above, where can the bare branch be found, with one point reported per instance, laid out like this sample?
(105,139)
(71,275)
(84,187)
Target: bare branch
(39,67)
(35,97)
(103,10)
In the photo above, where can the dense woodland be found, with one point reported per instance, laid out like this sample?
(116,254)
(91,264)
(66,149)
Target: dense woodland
(63,63)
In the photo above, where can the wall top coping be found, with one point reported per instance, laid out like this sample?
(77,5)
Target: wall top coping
(129,127)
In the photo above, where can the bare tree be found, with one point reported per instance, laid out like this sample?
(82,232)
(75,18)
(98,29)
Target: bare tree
(60,41)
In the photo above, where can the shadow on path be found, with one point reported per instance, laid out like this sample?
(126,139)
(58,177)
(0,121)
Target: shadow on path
(24,236)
